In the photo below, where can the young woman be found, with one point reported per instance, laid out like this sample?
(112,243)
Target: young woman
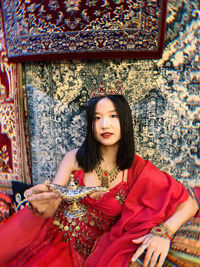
(119,225)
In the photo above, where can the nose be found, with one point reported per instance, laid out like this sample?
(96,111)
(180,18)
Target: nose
(104,122)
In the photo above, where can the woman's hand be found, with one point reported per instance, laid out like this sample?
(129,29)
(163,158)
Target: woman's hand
(156,250)
(43,200)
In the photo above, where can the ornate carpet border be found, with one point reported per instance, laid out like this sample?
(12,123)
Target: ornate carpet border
(50,30)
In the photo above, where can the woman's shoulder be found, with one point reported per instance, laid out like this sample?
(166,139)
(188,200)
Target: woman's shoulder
(67,166)
(70,159)
(71,153)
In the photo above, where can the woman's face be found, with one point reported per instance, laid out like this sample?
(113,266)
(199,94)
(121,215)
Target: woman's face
(106,123)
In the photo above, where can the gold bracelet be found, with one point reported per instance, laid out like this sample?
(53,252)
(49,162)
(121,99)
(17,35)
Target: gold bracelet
(163,231)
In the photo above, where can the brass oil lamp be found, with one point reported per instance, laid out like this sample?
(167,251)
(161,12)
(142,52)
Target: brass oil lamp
(73,193)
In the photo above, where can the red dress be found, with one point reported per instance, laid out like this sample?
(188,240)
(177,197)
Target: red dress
(69,242)
(151,197)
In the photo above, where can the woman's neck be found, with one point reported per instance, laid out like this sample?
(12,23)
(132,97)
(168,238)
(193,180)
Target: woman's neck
(109,155)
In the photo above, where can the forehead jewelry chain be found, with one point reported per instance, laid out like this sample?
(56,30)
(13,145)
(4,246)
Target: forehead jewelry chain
(105,176)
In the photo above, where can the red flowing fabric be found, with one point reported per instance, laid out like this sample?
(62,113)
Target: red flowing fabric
(153,198)
(14,228)
(29,240)
(195,193)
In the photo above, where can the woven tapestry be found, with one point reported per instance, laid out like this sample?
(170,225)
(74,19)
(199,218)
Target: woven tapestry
(163,95)
(13,159)
(43,30)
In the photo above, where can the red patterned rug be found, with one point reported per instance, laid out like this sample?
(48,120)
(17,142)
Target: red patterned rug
(13,159)
(42,30)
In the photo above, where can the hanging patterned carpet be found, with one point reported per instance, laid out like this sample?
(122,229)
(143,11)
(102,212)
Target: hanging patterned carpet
(84,29)
(163,94)
(13,159)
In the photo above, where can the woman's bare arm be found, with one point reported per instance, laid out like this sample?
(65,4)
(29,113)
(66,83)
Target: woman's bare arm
(45,201)
(183,213)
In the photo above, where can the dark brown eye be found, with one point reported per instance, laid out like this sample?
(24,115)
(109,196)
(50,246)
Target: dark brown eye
(114,116)
(97,117)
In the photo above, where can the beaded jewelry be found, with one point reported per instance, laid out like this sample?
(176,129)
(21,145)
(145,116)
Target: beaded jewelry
(163,231)
(105,176)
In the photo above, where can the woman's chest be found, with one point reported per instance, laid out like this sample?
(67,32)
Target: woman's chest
(93,180)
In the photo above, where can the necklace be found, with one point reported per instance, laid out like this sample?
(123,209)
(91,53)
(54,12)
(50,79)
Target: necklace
(105,176)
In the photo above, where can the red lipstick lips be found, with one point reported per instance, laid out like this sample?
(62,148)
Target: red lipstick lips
(106,135)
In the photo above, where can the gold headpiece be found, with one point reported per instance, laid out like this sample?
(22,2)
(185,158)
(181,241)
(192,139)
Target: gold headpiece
(101,91)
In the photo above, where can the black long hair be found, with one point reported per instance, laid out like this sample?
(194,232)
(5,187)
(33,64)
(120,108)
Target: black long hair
(88,155)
